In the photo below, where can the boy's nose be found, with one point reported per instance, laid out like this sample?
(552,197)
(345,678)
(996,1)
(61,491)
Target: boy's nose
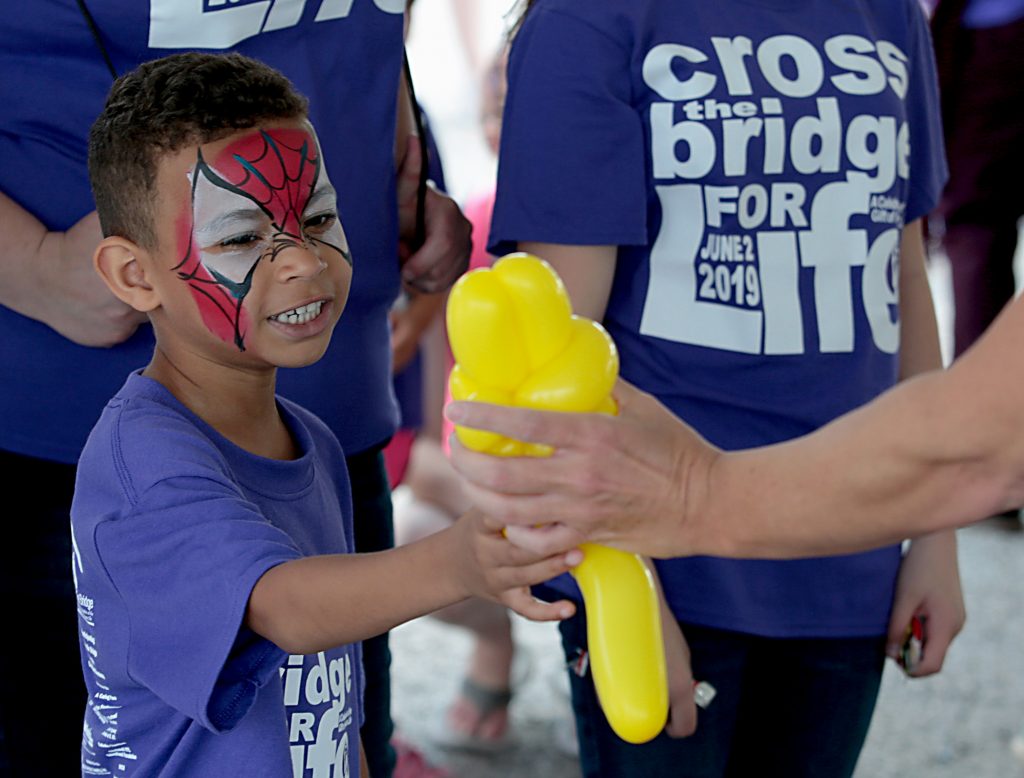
(299,260)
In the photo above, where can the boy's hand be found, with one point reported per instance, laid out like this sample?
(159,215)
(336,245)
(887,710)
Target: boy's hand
(494,569)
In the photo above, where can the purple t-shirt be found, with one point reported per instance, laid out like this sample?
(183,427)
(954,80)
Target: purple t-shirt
(755,161)
(345,57)
(173,525)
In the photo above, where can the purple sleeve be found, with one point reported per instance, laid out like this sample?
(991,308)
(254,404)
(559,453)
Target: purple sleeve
(928,169)
(571,167)
(184,563)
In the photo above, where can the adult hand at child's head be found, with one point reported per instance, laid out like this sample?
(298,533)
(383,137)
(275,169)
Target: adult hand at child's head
(495,569)
(72,297)
(444,255)
(631,481)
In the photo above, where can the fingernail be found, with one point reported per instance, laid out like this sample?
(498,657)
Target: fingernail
(454,412)
(574,557)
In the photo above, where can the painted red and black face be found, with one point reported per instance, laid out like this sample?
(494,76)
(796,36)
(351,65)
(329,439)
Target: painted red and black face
(263,193)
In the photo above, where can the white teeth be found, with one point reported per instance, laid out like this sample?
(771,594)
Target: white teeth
(300,315)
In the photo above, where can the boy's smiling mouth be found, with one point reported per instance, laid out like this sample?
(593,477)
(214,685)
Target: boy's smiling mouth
(304,321)
(300,314)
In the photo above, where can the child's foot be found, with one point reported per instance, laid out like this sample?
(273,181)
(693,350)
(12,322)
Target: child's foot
(477,720)
(411,763)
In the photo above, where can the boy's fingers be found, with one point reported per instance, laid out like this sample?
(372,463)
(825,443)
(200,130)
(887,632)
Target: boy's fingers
(535,573)
(528,606)
(492,524)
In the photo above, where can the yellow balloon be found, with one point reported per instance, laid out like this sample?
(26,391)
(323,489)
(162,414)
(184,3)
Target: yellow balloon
(580,378)
(484,331)
(516,342)
(463,387)
(608,406)
(537,291)
(627,657)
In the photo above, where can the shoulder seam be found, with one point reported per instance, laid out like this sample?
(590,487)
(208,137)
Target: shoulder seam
(119,464)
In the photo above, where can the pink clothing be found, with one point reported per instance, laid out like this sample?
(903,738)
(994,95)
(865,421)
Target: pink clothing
(478,211)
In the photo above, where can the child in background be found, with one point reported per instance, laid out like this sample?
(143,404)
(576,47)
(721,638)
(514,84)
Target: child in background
(735,189)
(220,605)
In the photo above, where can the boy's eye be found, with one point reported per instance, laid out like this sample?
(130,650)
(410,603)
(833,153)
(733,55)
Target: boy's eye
(320,222)
(240,241)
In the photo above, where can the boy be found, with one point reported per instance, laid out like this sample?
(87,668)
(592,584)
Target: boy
(219,604)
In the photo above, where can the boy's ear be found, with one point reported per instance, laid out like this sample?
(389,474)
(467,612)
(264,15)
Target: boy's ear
(117,261)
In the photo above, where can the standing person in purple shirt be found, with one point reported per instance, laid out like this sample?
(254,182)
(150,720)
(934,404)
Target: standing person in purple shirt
(735,189)
(68,344)
(220,604)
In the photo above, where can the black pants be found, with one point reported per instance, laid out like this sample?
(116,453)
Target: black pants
(42,692)
(792,708)
(374,531)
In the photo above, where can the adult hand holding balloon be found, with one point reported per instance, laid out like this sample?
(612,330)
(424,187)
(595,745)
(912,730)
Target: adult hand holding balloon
(516,342)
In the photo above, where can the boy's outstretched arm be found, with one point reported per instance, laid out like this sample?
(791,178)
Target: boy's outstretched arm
(310,604)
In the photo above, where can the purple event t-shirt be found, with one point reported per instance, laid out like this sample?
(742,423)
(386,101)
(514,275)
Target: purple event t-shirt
(345,57)
(755,162)
(172,526)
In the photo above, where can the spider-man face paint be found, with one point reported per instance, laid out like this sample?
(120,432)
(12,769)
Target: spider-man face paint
(262,194)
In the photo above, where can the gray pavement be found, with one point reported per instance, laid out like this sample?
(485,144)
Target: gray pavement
(955,725)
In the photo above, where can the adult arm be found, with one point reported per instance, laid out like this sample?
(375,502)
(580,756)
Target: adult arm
(940,450)
(586,271)
(409,323)
(928,585)
(48,276)
(433,265)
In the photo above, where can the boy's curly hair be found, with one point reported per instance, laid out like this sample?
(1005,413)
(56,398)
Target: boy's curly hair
(164,105)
